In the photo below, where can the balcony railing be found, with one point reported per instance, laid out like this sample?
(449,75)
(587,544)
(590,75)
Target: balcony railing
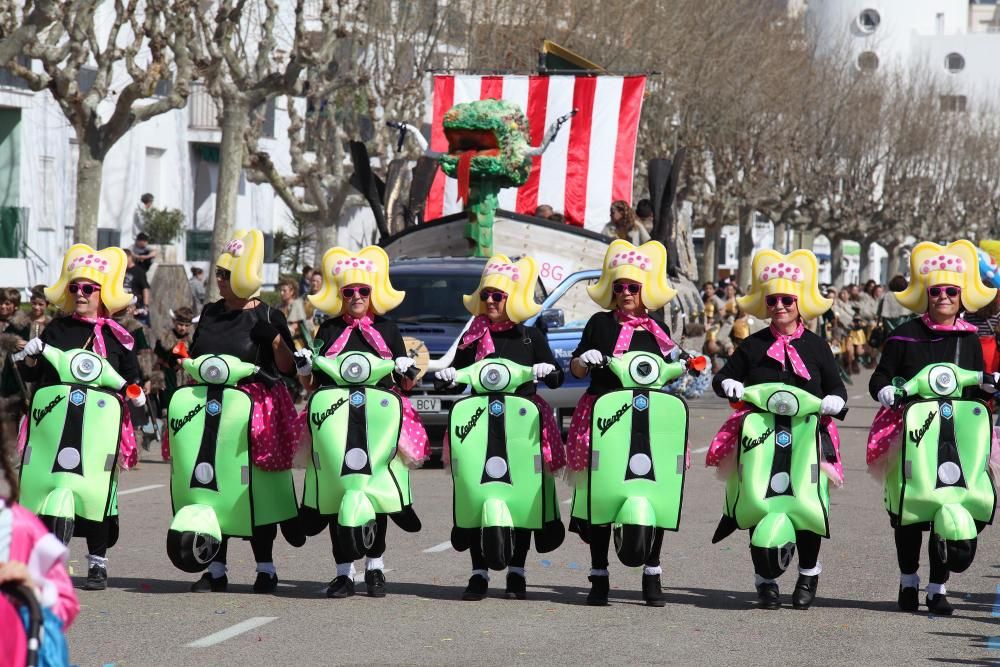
(203,109)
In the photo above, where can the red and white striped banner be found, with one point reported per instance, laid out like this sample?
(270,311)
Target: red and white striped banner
(588,166)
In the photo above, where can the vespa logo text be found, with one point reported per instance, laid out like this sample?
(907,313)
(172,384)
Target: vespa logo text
(916,435)
(178,424)
(749,444)
(463,431)
(319,417)
(40,413)
(605,424)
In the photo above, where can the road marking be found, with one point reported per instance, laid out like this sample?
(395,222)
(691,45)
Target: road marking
(139,489)
(229,633)
(444,546)
(700,451)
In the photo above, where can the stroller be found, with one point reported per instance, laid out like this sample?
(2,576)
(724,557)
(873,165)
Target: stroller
(19,639)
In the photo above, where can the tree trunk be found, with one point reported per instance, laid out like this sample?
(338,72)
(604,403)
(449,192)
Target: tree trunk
(88,195)
(780,237)
(746,247)
(865,262)
(235,120)
(710,255)
(836,261)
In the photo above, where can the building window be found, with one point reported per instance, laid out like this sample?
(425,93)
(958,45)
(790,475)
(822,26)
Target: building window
(953,102)
(868,61)
(108,237)
(954,62)
(868,21)
(198,246)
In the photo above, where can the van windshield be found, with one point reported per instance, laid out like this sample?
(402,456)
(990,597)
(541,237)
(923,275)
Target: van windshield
(433,298)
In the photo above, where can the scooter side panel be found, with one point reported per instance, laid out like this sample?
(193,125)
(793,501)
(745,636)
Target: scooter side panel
(212,468)
(944,460)
(496,452)
(73,439)
(639,442)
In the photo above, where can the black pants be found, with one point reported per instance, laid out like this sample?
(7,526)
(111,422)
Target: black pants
(807,543)
(600,542)
(378,547)
(522,542)
(262,544)
(98,537)
(908,542)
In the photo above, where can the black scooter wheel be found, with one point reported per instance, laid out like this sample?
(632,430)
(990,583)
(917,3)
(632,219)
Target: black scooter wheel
(771,562)
(633,544)
(957,555)
(190,551)
(498,546)
(61,527)
(313,523)
(355,542)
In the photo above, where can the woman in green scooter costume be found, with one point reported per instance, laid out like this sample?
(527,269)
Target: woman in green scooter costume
(944,280)
(89,290)
(241,325)
(357,286)
(784,289)
(633,282)
(503,300)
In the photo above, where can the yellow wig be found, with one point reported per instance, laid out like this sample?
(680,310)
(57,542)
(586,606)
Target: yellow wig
(243,257)
(646,264)
(341,267)
(954,264)
(795,274)
(106,268)
(515,279)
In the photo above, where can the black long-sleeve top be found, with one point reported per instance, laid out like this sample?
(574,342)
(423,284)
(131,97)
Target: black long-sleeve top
(67,333)
(331,329)
(222,331)
(521,344)
(750,365)
(601,334)
(912,346)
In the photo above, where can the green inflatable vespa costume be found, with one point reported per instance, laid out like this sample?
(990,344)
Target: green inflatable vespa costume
(635,480)
(215,489)
(941,474)
(354,472)
(500,482)
(776,487)
(69,465)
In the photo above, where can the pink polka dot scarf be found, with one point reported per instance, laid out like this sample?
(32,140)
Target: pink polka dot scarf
(120,332)
(782,346)
(368,332)
(479,332)
(630,323)
(959,325)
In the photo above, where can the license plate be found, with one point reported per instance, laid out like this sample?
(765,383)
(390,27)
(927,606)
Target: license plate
(426,404)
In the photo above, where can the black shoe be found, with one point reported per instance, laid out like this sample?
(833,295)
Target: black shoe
(908,599)
(340,588)
(207,583)
(767,596)
(652,592)
(599,586)
(476,590)
(516,587)
(805,591)
(936,604)
(97,578)
(265,583)
(374,583)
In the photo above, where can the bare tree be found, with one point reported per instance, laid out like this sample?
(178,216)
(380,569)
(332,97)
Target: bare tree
(140,64)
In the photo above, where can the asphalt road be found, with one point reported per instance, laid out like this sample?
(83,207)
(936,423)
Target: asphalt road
(148,617)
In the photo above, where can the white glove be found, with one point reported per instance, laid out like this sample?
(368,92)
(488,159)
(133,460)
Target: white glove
(831,405)
(33,347)
(733,389)
(404,364)
(139,400)
(447,375)
(303,362)
(592,358)
(887,395)
(542,370)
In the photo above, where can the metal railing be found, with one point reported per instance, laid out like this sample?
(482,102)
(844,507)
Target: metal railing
(203,110)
